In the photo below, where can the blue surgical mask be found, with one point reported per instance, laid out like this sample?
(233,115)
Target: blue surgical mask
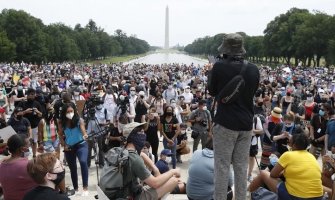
(321,112)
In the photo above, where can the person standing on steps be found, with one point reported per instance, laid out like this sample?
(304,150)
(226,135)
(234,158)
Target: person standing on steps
(232,122)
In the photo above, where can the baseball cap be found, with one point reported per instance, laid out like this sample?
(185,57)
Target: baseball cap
(166,152)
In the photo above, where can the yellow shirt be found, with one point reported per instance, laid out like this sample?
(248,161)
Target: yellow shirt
(302,173)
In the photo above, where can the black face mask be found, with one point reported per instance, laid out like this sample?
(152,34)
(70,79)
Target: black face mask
(138,140)
(168,113)
(59,178)
(30,100)
(19,117)
(260,104)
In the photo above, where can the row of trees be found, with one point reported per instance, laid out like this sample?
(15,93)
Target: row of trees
(298,35)
(25,38)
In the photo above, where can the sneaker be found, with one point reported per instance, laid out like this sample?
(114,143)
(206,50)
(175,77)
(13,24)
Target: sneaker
(70,192)
(250,178)
(85,193)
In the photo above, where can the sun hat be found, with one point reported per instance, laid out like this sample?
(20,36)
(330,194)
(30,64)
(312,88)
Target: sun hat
(276,112)
(129,127)
(232,45)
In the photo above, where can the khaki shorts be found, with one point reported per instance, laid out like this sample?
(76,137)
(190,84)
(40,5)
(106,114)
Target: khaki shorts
(148,193)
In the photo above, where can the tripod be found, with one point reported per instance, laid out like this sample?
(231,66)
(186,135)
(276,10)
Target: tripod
(95,132)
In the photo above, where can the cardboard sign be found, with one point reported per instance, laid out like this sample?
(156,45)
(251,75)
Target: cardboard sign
(6,133)
(80,106)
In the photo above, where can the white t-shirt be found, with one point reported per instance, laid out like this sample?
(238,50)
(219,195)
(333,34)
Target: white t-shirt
(188,97)
(258,127)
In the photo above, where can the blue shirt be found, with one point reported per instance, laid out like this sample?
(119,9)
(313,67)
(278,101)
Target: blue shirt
(73,135)
(162,166)
(330,131)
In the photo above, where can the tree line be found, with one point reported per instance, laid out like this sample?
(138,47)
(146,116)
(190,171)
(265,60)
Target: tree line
(296,36)
(25,38)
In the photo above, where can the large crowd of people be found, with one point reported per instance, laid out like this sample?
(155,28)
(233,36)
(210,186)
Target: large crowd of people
(55,107)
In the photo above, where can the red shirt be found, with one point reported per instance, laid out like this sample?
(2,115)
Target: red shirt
(15,179)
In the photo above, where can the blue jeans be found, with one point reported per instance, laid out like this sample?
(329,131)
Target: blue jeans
(80,151)
(284,195)
(173,150)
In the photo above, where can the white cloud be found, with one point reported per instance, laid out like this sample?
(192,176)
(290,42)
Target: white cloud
(189,19)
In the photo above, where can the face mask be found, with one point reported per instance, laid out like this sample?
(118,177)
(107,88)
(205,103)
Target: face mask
(187,90)
(132,93)
(168,159)
(168,113)
(321,112)
(70,115)
(30,100)
(309,99)
(59,178)
(99,107)
(18,117)
(25,154)
(138,140)
(289,125)
(173,104)
(204,108)
(260,104)
(76,93)
(183,131)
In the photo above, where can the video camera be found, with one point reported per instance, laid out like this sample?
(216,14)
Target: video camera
(93,101)
(123,103)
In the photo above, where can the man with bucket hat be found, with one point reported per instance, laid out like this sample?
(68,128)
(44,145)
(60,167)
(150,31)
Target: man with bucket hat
(233,121)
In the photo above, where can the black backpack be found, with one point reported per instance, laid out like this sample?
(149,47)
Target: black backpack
(232,90)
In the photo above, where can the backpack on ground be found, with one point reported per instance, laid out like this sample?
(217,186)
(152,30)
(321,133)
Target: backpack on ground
(263,194)
(112,178)
(232,90)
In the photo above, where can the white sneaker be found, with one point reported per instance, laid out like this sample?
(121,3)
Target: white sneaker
(85,193)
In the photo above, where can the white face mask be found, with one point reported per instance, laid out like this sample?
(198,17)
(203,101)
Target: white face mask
(309,98)
(173,104)
(168,159)
(187,90)
(205,108)
(183,131)
(76,93)
(133,93)
(26,154)
(70,115)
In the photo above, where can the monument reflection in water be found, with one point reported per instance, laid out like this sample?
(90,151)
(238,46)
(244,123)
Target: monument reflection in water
(162,58)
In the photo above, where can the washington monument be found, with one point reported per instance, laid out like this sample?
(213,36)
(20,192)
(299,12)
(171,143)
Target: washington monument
(166,45)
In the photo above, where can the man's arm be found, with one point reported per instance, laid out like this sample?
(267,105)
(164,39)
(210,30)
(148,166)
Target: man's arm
(156,182)
(212,81)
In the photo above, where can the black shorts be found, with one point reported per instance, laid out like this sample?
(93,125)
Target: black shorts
(253,150)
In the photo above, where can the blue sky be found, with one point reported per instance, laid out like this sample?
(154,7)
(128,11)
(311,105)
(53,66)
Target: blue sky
(189,19)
